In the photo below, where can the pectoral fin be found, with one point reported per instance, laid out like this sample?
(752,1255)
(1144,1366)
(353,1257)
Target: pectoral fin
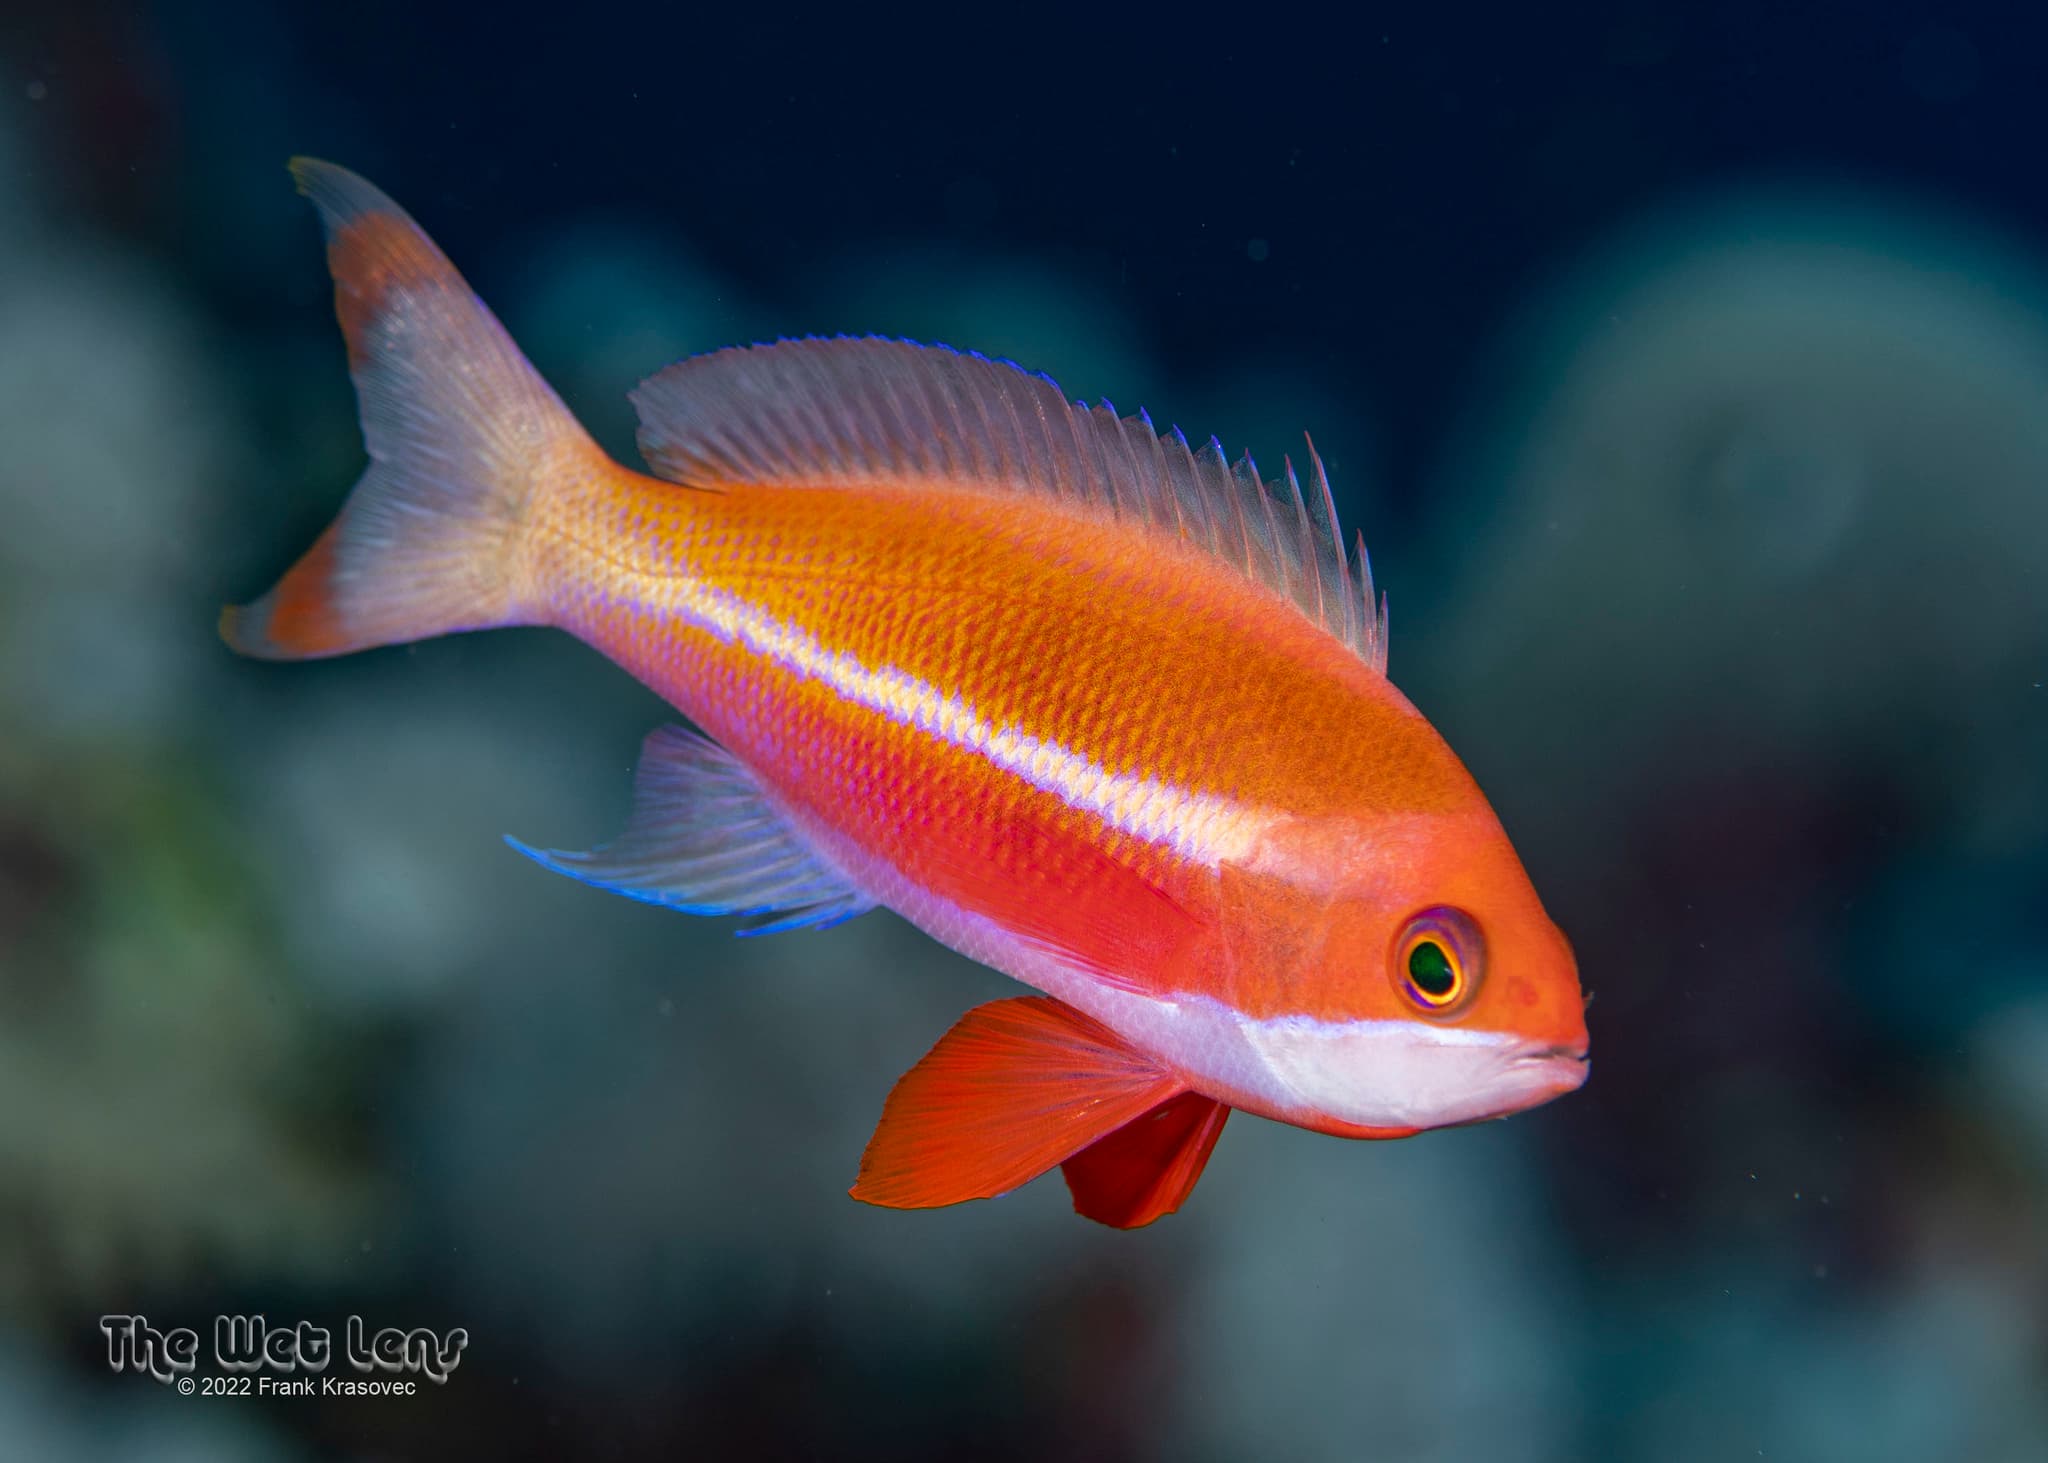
(704,838)
(1014,1089)
(1149,1166)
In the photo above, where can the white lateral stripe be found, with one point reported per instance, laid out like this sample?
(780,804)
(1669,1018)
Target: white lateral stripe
(1197,826)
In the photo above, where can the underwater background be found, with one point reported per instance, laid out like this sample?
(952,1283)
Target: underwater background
(1686,368)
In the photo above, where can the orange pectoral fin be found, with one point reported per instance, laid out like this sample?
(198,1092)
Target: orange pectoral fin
(1148,1167)
(1015,1088)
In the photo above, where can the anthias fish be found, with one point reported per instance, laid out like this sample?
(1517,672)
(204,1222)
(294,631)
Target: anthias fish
(1097,709)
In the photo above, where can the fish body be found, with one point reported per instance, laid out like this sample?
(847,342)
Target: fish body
(1086,705)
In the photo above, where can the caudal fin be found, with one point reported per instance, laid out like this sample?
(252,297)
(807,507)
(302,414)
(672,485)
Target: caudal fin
(461,433)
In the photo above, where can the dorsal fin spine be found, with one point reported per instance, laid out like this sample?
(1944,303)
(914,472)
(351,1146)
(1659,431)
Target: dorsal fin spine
(1239,533)
(1375,632)
(1150,509)
(797,455)
(862,451)
(1362,592)
(1062,439)
(983,448)
(733,442)
(843,439)
(1157,454)
(1022,425)
(1306,538)
(1173,513)
(856,441)
(1124,484)
(1259,518)
(1122,472)
(1037,441)
(1347,596)
(1122,501)
(984,453)
(897,447)
(1180,469)
(965,448)
(1189,477)
(1281,573)
(1142,441)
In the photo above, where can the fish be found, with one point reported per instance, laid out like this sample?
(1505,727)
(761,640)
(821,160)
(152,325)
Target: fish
(1096,708)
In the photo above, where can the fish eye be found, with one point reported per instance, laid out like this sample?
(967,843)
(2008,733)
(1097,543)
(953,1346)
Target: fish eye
(1438,960)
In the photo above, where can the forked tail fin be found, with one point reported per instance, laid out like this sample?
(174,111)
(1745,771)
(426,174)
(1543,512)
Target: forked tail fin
(461,433)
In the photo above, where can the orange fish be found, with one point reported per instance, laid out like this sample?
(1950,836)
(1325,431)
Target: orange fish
(1086,705)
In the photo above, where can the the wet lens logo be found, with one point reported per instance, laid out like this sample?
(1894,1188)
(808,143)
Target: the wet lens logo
(256,1358)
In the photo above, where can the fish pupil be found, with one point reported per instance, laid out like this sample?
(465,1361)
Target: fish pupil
(1430,968)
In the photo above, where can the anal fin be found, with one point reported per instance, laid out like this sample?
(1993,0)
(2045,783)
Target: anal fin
(1014,1089)
(704,839)
(1149,1166)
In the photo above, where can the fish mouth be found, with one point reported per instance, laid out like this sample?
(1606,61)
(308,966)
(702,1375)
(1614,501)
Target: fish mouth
(1563,1066)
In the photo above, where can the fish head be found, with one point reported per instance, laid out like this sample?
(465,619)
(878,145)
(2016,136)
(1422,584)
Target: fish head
(1398,973)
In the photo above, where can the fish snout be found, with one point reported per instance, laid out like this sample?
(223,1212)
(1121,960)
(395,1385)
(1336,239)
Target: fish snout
(1558,1066)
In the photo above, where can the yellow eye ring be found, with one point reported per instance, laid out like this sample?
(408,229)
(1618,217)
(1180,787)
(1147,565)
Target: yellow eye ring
(1438,960)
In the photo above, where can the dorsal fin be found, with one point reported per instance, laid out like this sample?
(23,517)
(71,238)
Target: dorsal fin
(866,410)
